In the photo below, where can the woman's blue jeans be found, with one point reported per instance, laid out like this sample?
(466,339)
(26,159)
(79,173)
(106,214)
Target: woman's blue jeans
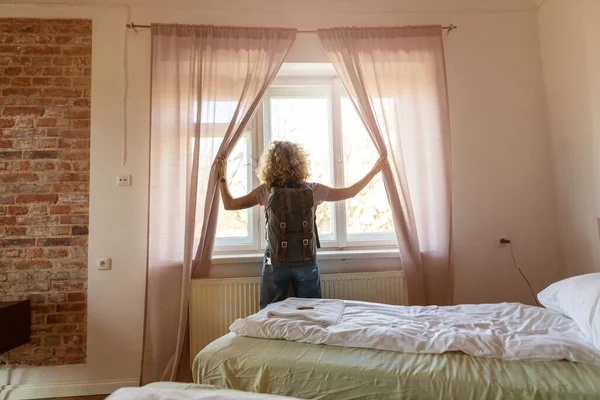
(275,284)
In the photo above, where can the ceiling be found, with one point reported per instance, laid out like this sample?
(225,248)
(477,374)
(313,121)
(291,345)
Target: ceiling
(337,6)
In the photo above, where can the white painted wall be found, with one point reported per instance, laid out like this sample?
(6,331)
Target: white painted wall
(570,34)
(118,221)
(501,161)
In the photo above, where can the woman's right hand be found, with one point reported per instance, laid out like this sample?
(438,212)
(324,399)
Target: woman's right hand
(337,194)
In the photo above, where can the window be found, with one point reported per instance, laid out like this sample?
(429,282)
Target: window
(316,113)
(235,229)
(368,215)
(285,111)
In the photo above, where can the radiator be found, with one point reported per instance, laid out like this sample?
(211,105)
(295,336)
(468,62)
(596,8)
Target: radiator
(216,303)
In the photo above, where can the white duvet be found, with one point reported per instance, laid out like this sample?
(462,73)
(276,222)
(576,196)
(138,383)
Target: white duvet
(507,331)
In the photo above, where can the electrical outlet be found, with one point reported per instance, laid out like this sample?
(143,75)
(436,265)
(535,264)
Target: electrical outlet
(499,241)
(124,180)
(103,264)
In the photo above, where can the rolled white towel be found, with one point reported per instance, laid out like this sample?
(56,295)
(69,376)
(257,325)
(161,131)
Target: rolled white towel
(324,312)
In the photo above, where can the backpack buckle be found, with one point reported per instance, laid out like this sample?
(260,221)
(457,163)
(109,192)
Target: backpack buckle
(283,245)
(282,225)
(305,224)
(305,242)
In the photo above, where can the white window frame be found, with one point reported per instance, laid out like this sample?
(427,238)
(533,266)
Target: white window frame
(340,240)
(224,245)
(367,240)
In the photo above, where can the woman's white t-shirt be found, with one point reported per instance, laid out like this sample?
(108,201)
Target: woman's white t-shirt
(319,191)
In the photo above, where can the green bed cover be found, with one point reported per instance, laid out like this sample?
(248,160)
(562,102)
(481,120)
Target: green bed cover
(326,372)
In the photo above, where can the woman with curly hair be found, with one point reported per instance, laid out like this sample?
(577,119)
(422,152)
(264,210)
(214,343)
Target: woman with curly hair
(290,206)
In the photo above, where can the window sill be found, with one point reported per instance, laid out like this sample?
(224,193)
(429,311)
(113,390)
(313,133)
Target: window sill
(341,255)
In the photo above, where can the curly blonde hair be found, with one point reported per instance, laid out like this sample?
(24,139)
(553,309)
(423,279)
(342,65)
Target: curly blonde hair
(283,164)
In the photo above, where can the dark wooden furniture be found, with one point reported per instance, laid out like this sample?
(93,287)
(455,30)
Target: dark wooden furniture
(15,324)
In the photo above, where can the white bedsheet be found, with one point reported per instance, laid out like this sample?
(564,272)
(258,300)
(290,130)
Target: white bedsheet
(507,331)
(151,393)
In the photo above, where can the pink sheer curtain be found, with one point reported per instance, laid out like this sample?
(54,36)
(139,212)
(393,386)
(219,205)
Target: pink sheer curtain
(207,82)
(397,81)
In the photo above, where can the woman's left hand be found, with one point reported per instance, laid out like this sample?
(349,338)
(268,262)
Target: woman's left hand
(221,167)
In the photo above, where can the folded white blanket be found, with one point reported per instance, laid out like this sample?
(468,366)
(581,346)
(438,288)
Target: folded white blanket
(324,312)
(150,393)
(508,331)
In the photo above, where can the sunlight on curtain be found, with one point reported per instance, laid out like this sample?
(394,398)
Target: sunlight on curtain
(396,79)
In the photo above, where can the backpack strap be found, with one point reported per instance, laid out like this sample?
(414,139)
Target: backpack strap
(282,225)
(266,226)
(317,232)
(304,226)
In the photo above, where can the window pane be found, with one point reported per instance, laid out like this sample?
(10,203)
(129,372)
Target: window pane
(305,120)
(369,212)
(233,227)
(216,112)
(234,224)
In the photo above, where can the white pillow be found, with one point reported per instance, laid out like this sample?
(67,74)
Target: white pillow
(579,299)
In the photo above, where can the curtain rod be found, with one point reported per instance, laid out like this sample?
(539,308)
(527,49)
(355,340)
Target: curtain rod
(134,26)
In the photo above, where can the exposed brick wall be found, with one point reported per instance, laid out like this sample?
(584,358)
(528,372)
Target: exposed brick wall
(45,87)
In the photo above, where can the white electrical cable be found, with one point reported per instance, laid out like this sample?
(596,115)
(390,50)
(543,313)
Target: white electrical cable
(125,84)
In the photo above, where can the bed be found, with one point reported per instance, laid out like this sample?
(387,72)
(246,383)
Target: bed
(311,371)
(320,370)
